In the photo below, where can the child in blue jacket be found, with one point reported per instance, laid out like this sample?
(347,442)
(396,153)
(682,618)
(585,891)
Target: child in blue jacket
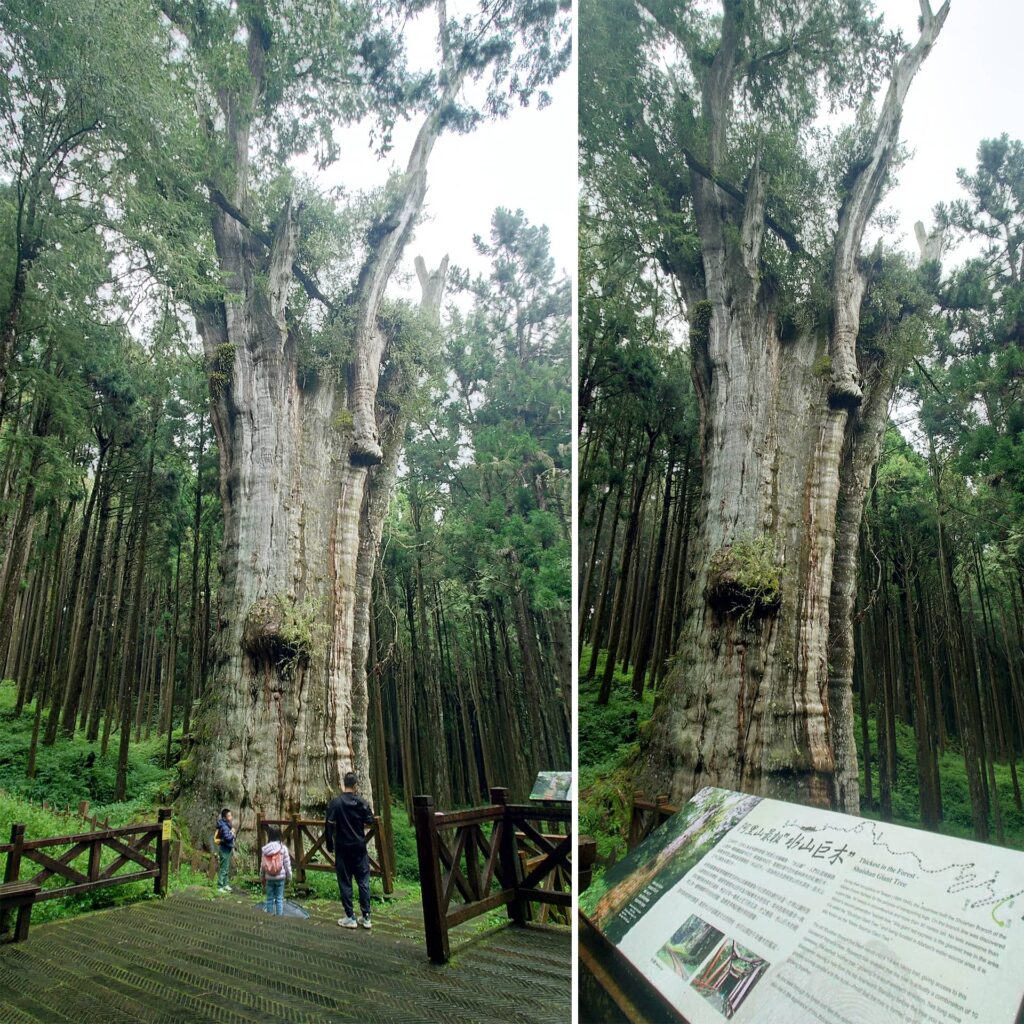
(224,838)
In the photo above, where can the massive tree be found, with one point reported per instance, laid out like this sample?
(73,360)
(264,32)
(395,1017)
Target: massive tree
(297,341)
(716,136)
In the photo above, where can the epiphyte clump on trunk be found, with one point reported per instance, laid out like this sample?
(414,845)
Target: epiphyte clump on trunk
(744,579)
(281,631)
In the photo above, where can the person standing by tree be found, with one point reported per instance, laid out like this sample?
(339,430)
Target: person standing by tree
(275,870)
(347,814)
(224,838)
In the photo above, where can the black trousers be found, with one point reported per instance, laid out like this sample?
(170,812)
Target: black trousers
(349,862)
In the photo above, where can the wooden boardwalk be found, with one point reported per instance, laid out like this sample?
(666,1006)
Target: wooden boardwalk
(192,958)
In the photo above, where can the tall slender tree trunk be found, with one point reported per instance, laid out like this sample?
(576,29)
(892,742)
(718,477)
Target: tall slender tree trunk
(622,584)
(132,664)
(604,594)
(653,590)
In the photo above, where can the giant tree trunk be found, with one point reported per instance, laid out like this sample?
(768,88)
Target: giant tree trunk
(746,705)
(285,715)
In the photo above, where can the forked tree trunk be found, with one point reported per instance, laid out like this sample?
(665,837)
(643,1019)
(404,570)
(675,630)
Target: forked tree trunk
(285,716)
(746,705)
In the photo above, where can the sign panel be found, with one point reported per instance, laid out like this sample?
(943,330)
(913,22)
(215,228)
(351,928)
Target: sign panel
(755,910)
(166,831)
(552,786)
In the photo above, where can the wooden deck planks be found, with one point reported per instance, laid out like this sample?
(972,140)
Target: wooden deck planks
(193,958)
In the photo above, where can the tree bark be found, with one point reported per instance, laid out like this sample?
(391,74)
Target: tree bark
(746,705)
(283,721)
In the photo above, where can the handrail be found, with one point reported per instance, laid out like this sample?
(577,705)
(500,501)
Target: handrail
(296,832)
(80,837)
(154,863)
(646,815)
(514,865)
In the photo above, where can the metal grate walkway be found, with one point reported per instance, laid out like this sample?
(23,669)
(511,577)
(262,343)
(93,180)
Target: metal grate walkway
(191,958)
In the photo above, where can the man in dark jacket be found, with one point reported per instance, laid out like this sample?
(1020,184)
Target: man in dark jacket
(347,815)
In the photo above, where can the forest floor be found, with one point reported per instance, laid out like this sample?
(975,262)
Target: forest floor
(609,743)
(73,770)
(195,957)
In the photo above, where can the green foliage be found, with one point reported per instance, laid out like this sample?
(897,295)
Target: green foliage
(220,368)
(68,772)
(970,399)
(608,745)
(956,801)
(285,631)
(487,488)
(700,322)
(404,835)
(74,770)
(303,627)
(342,421)
(744,578)
(40,824)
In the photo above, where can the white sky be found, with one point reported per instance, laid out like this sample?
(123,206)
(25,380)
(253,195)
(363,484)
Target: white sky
(526,161)
(967,90)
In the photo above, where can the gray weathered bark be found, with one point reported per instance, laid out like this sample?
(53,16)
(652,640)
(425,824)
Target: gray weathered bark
(746,705)
(285,717)
(878,376)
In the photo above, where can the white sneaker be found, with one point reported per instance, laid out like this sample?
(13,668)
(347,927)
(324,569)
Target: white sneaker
(347,922)
(365,922)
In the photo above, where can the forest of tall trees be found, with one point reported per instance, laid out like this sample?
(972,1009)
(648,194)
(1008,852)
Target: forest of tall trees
(800,491)
(215,413)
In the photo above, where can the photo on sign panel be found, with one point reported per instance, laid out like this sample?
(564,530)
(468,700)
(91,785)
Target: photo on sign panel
(729,976)
(690,946)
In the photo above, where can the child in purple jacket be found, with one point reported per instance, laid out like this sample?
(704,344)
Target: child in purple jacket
(275,870)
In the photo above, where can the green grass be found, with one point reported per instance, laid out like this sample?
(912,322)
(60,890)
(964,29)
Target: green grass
(608,744)
(74,770)
(66,773)
(956,802)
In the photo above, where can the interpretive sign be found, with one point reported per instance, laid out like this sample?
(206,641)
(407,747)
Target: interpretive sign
(550,786)
(761,911)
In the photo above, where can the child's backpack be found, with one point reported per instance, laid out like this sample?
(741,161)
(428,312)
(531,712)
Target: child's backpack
(272,864)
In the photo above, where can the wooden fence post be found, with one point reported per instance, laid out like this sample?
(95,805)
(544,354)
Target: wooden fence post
(508,858)
(434,924)
(259,841)
(95,850)
(299,866)
(13,868)
(163,846)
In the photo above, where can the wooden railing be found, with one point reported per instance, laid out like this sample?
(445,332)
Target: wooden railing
(144,847)
(646,816)
(307,844)
(512,865)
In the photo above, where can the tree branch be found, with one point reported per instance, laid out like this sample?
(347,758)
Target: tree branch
(786,234)
(267,240)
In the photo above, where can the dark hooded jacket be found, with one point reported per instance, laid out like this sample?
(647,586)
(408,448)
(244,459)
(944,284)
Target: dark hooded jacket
(347,815)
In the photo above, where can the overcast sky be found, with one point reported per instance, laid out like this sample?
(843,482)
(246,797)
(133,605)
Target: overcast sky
(526,161)
(967,90)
